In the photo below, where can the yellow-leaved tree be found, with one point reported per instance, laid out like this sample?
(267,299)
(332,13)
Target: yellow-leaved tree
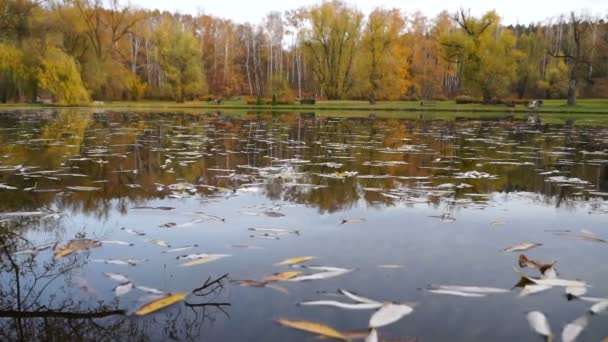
(384,56)
(59,75)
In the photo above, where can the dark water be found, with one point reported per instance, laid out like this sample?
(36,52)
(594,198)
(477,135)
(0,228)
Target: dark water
(218,176)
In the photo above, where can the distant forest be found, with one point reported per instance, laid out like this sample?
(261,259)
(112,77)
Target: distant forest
(76,51)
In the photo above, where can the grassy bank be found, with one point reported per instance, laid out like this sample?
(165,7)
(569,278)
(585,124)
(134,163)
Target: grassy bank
(587,112)
(594,106)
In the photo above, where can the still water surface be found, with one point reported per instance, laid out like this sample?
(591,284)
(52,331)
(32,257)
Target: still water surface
(402,204)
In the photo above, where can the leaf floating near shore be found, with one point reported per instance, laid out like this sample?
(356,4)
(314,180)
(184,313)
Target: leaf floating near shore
(73,246)
(123,289)
(150,290)
(388,314)
(539,323)
(296,260)
(159,304)
(522,247)
(313,327)
(121,278)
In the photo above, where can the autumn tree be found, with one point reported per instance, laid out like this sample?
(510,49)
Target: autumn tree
(576,52)
(181,61)
(332,44)
(384,56)
(58,74)
(485,52)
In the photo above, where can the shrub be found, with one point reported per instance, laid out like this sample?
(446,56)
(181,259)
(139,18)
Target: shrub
(439,98)
(465,99)
(309,101)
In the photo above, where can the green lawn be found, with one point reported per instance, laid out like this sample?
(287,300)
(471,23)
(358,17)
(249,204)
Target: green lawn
(598,106)
(551,106)
(594,111)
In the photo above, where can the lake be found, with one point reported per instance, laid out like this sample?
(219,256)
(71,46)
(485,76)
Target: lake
(106,214)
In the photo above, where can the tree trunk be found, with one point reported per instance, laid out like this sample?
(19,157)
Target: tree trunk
(572,93)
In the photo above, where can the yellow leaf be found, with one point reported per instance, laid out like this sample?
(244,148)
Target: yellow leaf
(60,253)
(281,276)
(160,304)
(251,283)
(295,260)
(312,327)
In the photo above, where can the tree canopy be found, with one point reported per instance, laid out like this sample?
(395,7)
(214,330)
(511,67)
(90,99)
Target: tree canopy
(81,50)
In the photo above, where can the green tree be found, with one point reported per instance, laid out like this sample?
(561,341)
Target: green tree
(332,44)
(181,61)
(485,52)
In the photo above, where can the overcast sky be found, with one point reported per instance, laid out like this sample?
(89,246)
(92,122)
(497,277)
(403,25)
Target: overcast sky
(512,11)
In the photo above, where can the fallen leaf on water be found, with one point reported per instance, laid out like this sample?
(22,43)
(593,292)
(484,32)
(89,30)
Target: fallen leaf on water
(341,305)
(180,249)
(281,276)
(390,266)
(204,259)
(123,289)
(522,247)
(160,304)
(150,290)
(573,329)
(117,277)
(389,313)
(532,289)
(599,307)
(313,327)
(539,323)
(356,297)
(583,237)
(295,260)
(473,289)
(552,281)
(159,242)
(372,337)
(524,262)
(457,293)
(132,231)
(356,220)
(116,242)
(83,188)
(573,292)
(73,246)
(321,275)
(275,230)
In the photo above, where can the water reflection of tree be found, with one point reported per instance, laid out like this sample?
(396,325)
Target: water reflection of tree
(36,303)
(142,142)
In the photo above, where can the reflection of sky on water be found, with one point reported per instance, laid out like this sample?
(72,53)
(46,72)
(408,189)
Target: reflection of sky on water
(403,223)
